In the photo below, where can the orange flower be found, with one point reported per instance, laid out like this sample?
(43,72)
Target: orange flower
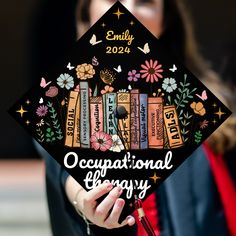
(107,89)
(85,71)
(198,108)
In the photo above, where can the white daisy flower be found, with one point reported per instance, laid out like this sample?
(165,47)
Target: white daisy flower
(169,85)
(65,81)
(117,144)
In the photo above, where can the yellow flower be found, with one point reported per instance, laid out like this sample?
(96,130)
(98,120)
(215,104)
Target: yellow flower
(85,71)
(198,108)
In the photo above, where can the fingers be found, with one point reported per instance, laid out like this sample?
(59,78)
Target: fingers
(112,220)
(130,220)
(97,192)
(107,213)
(106,205)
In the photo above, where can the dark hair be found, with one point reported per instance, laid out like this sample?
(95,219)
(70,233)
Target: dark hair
(178,35)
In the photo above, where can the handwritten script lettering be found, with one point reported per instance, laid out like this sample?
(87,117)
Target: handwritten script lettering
(98,169)
(125,36)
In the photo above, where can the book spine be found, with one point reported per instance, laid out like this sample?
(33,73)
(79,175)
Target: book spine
(109,105)
(172,127)
(70,119)
(134,119)
(96,109)
(76,140)
(123,99)
(143,121)
(84,115)
(155,122)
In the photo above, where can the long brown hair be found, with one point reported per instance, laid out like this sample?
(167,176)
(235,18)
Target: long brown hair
(178,35)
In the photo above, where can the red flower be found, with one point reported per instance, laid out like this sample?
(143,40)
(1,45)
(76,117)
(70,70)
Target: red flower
(101,141)
(151,71)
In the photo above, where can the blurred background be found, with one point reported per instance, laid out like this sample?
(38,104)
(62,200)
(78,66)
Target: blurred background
(45,23)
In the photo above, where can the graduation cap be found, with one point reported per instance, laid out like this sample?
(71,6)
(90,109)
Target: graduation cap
(122,109)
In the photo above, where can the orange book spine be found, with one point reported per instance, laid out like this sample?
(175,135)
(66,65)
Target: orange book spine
(70,120)
(172,127)
(155,123)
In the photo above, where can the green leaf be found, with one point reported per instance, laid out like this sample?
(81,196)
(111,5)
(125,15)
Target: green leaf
(95,93)
(49,130)
(49,104)
(177,95)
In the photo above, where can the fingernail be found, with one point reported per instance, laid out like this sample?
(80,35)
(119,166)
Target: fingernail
(130,220)
(119,190)
(109,186)
(120,203)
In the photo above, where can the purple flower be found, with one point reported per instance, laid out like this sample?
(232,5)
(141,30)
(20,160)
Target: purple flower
(133,76)
(42,111)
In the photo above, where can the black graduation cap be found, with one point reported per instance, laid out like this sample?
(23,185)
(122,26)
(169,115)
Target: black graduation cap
(123,109)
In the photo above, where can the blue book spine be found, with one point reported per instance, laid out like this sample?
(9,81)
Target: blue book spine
(84,115)
(143,121)
(110,122)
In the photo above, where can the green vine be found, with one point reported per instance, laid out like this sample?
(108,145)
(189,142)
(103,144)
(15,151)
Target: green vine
(185,119)
(50,135)
(40,135)
(198,137)
(55,121)
(182,98)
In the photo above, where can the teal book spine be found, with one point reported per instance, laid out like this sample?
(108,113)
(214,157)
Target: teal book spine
(109,105)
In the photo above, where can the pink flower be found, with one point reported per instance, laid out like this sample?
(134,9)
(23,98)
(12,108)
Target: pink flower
(77,89)
(151,71)
(101,141)
(107,89)
(133,76)
(52,91)
(42,111)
